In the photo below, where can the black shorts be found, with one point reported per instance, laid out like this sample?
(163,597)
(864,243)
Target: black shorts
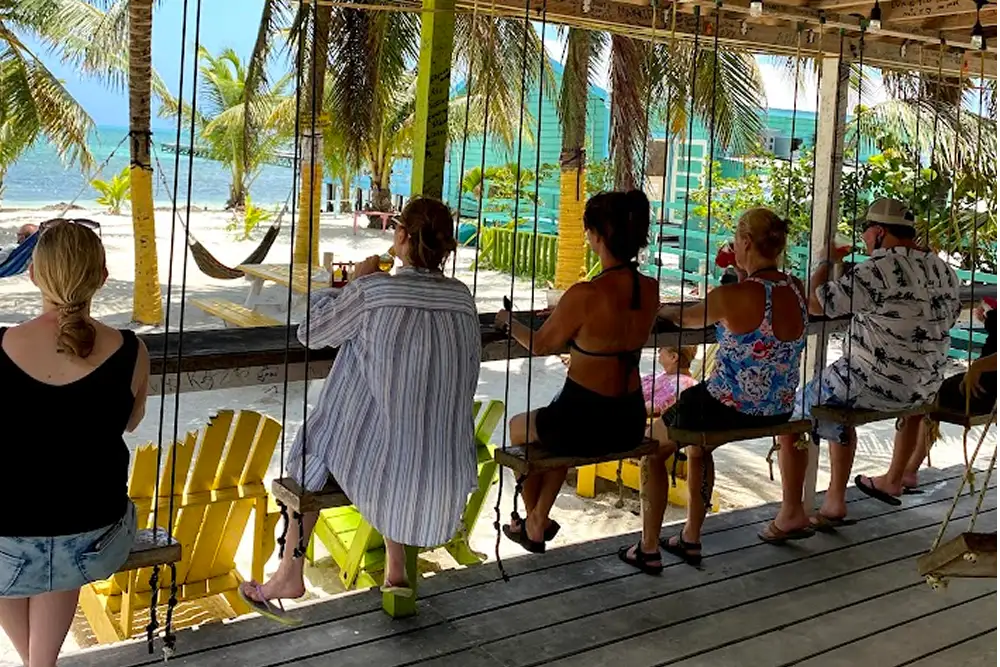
(697,410)
(951,397)
(581,422)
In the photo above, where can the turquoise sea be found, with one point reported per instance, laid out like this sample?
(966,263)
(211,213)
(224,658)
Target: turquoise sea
(40,178)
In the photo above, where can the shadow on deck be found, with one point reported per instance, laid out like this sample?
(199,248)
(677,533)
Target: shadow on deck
(848,598)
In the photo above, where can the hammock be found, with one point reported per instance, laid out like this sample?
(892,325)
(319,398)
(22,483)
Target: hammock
(19,258)
(213,268)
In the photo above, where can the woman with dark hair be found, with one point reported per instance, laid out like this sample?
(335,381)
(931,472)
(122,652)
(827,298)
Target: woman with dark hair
(393,423)
(760,328)
(605,322)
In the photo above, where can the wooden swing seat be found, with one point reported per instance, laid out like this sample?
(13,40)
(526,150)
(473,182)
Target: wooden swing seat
(152,547)
(534,458)
(968,555)
(861,416)
(960,418)
(288,492)
(717,438)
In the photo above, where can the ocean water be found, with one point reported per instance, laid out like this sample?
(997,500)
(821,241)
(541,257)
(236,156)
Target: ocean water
(40,178)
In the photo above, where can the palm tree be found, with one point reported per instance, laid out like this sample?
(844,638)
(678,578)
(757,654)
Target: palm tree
(33,102)
(219,119)
(581,48)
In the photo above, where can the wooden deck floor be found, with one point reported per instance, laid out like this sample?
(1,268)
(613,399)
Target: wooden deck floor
(851,598)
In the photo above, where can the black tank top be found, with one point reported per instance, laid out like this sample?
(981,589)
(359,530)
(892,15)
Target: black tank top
(65,461)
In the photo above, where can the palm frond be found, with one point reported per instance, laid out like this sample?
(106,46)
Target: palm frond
(630,65)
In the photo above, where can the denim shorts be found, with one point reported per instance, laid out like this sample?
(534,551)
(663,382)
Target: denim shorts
(35,565)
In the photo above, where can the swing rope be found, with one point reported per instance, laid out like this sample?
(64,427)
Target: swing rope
(154,579)
(465,140)
(509,301)
(296,161)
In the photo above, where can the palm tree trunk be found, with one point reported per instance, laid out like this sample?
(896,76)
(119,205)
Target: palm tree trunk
(147,304)
(571,250)
(311,141)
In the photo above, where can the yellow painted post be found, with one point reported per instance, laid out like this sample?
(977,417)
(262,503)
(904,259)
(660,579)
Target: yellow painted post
(430,130)
(398,606)
(571,249)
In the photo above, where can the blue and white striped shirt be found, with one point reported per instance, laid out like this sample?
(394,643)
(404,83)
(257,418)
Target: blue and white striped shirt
(393,423)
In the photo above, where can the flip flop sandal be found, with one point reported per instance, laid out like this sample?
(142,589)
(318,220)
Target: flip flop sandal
(550,532)
(682,549)
(521,537)
(641,560)
(870,490)
(264,607)
(828,524)
(912,491)
(774,535)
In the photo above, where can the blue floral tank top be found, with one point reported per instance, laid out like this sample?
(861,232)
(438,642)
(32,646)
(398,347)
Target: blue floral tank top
(757,373)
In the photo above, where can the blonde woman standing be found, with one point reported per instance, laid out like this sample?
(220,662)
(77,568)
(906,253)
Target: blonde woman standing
(72,387)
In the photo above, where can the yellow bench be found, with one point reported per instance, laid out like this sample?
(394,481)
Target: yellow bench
(234,314)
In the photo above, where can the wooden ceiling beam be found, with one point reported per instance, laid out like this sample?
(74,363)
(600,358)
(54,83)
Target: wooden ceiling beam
(638,21)
(814,17)
(988,17)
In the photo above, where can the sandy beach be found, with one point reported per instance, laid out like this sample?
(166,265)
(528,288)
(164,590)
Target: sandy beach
(742,471)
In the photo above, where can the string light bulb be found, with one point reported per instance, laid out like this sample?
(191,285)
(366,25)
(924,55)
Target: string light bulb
(875,18)
(978,38)
(756,8)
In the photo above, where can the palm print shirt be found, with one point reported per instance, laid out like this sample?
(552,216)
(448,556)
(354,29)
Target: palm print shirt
(904,301)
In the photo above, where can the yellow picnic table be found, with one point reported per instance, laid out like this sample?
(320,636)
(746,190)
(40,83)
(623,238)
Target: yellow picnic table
(297,279)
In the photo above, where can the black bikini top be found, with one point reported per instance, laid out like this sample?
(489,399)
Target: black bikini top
(628,358)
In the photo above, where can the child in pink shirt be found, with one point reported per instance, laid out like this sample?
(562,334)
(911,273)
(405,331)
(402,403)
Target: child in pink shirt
(675,378)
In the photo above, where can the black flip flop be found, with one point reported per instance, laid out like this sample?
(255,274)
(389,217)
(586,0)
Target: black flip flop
(641,559)
(521,537)
(873,492)
(682,549)
(550,532)
(912,491)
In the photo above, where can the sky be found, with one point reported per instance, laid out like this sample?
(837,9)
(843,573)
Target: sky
(226,23)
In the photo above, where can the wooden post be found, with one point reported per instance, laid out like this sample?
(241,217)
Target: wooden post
(401,607)
(832,116)
(430,130)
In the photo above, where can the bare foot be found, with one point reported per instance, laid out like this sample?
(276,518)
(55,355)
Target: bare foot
(910,481)
(276,588)
(788,522)
(833,510)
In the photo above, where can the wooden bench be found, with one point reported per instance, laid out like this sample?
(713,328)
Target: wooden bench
(967,555)
(234,314)
(152,547)
(533,458)
(960,418)
(860,416)
(714,439)
(288,492)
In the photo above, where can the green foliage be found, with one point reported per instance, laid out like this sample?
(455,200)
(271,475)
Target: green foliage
(244,224)
(600,176)
(115,192)
(501,185)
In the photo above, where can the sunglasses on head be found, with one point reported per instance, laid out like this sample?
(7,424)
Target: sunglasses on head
(83,222)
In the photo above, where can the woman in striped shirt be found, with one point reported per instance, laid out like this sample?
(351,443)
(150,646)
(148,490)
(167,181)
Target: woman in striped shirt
(393,423)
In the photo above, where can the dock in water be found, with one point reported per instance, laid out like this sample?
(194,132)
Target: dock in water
(853,597)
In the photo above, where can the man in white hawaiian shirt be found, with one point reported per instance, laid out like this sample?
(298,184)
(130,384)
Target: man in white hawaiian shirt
(903,301)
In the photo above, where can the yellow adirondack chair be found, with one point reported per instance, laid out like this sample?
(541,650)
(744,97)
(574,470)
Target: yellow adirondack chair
(212,504)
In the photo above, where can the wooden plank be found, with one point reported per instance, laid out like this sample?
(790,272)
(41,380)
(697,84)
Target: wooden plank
(979,651)
(965,555)
(906,10)
(751,630)
(861,416)
(716,438)
(535,458)
(482,583)
(152,547)
(286,490)
(535,626)
(914,639)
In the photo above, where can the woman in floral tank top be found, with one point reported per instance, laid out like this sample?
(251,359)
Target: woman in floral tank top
(760,329)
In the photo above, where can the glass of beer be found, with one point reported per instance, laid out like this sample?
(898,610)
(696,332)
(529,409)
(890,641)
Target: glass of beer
(387,260)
